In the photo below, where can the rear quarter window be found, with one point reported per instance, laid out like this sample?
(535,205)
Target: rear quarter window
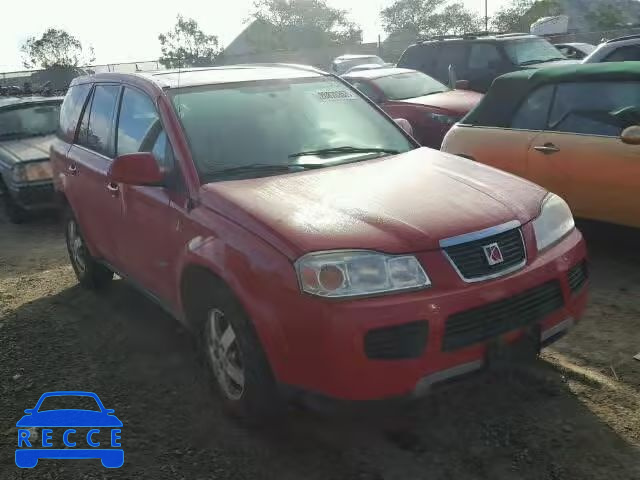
(71,109)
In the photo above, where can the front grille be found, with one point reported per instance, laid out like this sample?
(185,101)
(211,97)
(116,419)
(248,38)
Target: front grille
(36,194)
(397,342)
(471,261)
(488,321)
(577,276)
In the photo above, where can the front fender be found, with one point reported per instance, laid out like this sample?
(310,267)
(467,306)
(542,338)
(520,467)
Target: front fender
(261,278)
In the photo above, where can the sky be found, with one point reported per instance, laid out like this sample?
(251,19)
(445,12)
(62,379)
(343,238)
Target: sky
(127,30)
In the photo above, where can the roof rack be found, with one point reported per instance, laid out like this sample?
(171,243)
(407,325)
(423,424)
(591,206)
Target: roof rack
(626,37)
(472,36)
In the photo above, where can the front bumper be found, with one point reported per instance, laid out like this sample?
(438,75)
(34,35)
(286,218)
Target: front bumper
(330,352)
(34,195)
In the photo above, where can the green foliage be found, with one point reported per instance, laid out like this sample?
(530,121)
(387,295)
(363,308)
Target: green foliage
(429,17)
(187,46)
(55,48)
(604,18)
(295,24)
(520,14)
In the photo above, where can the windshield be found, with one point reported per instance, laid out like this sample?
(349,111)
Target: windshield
(531,51)
(69,402)
(271,123)
(409,85)
(29,121)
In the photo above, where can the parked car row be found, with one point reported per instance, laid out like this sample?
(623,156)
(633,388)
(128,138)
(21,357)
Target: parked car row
(314,247)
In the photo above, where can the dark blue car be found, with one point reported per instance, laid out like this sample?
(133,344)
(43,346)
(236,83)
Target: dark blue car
(100,417)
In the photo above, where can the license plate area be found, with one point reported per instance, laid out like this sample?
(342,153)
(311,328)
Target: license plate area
(503,355)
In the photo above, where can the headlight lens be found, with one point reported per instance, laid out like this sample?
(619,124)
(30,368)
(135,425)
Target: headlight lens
(33,171)
(554,222)
(359,272)
(443,119)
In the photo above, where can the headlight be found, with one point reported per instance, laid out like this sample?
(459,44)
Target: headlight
(359,272)
(554,222)
(33,171)
(443,119)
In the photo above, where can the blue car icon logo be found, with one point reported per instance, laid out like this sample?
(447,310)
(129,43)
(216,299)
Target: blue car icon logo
(71,428)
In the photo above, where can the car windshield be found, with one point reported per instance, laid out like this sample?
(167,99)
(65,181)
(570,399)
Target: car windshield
(267,127)
(66,402)
(409,85)
(29,121)
(532,51)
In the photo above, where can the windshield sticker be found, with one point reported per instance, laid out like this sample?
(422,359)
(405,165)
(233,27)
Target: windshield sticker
(326,96)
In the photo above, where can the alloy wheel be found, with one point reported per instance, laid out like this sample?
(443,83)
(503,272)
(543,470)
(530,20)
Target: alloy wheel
(224,354)
(76,246)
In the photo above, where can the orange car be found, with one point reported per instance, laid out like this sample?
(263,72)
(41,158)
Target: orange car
(575,130)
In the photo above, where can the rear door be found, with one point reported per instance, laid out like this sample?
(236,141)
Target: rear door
(148,235)
(581,156)
(94,201)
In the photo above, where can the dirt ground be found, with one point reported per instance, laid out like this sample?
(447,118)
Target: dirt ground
(574,415)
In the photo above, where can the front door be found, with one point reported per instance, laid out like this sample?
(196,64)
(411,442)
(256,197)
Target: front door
(93,200)
(152,216)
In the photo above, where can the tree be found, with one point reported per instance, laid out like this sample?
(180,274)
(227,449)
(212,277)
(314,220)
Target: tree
(520,14)
(604,18)
(303,24)
(55,48)
(187,46)
(429,17)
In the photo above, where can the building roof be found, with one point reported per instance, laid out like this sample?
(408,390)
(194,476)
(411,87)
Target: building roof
(509,91)
(190,77)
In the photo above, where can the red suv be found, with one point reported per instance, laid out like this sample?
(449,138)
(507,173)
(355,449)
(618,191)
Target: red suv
(306,238)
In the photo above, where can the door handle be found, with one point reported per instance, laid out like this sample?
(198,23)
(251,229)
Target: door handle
(72,168)
(113,188)
(547,148)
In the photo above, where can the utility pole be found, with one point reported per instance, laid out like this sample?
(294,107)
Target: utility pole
(486,15)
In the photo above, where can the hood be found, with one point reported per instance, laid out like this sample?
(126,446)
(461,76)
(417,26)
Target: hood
(69,418)
(458,101)
(398,204)
(26,149)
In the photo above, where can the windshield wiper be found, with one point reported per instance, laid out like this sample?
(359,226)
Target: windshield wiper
(542,60)
(345,149)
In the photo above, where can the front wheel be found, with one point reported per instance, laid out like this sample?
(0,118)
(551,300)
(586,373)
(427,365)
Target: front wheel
(235,357)
(90,273)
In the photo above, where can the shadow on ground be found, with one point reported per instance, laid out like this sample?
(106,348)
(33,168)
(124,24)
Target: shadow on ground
(142,364)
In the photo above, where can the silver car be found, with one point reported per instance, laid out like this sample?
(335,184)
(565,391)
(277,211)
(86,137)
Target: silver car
(622,49)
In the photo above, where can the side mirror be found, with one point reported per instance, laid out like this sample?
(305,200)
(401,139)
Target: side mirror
(404,125)
(631,135)
(109,411)
(136,169)
(29,411)
(462,85)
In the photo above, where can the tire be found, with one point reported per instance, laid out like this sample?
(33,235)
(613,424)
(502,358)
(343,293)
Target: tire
(234,358)
(90,273)
(12,210)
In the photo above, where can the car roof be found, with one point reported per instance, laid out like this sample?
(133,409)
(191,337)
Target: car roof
(501,37)
(377,73)
(11,101)
(622,39)
(344,58)
(189,77)
(508,91)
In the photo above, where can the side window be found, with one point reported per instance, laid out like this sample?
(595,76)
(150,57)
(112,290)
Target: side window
(368,90)
(96,133)
(595,108)
(624,54)
(533,113)
(138,124)
(482,56)
(71,109)
(140,129)
(456,55)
